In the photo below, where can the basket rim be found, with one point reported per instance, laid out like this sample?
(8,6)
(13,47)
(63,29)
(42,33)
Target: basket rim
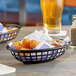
(38,50)
(15,25)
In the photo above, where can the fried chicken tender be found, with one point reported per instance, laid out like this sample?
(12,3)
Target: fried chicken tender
(16,45)
(26,43)
(20,43)
(21,54)
(34,43)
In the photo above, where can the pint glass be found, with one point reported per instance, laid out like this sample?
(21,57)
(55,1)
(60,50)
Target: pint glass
(52,13)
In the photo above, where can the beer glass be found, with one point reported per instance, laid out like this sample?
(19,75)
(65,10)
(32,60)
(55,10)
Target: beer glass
(52,13)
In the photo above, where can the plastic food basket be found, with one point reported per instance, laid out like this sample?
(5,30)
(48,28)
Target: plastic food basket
(9,35)
(38,56)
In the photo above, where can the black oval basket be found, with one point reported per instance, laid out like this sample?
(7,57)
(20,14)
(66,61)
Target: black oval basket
(38,56)
(4,37)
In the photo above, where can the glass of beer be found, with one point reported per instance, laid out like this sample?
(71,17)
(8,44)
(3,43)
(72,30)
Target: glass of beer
(52,13)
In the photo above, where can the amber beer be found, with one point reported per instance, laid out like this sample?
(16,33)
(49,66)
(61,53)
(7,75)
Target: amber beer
(52,13)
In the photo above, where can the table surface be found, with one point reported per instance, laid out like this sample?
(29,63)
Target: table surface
(62,66)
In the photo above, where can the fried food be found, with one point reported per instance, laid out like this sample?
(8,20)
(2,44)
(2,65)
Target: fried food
(12,29)
(16,45)
(22,48)
(21,54)
(10,34)
(26,43)
(20,43)
(34,43)
(13,34)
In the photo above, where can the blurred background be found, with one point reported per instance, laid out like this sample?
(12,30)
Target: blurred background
(10,9)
